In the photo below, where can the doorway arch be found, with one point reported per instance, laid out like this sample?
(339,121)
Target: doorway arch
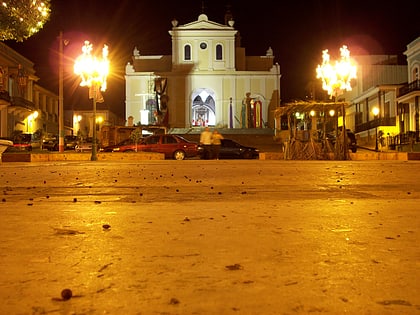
(203,109)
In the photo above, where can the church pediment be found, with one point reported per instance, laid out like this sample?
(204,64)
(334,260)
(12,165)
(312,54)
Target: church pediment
(203,23)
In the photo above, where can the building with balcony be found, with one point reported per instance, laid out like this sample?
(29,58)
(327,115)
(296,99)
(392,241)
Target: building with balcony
(25,106)
(385,100)
(408,98)
(378,78)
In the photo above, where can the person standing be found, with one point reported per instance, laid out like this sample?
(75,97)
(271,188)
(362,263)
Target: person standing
(217,142)
(206,141)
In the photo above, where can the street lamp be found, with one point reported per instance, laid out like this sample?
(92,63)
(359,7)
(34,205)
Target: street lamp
(336,78)
(375,112)
(93,71)
(61,44)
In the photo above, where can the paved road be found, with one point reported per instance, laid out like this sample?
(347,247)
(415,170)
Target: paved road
(210,237)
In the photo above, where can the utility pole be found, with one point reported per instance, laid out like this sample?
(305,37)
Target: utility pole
(60,96)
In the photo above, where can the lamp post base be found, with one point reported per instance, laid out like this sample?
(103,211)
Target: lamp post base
(94,156)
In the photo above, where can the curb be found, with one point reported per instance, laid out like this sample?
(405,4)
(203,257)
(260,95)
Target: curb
(50,157)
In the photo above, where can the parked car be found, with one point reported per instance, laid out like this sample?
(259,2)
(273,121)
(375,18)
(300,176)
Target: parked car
(4,145)
(83,147)
(26,142)
(115,147)
(351,140)
(50,143)
(86,145)
(230,149)
(173,146)
(70,142)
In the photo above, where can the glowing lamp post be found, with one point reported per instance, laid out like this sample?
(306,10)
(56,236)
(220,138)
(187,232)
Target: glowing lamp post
(336,78)
(93,71)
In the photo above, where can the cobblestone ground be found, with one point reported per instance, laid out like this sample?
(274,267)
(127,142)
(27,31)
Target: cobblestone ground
(210,237)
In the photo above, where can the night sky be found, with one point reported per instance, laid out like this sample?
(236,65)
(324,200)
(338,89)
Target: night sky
(296,30)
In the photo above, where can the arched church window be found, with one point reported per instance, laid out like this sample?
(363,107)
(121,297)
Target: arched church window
(219,52)
(187,52)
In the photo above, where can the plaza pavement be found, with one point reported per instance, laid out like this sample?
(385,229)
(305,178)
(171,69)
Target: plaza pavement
(210,237)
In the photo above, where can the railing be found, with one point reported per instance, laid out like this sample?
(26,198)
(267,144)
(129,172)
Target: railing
(405,138)
(383,121)
(4,95)
(24,103)
(410,87)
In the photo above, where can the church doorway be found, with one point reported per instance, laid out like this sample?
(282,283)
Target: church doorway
(203,111)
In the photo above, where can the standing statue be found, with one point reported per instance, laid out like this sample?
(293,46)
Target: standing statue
(246,106)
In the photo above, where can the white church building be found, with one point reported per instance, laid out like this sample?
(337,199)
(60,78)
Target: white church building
(207,81)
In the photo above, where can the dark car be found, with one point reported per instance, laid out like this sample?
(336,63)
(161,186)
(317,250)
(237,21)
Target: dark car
(52,143)
(351,140)
(25,142)
(70,142)
(230,149)
(173,146)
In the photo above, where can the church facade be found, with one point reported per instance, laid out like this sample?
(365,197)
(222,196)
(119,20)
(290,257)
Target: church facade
(207,81)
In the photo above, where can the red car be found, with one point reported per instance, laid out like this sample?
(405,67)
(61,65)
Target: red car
(173,146)
(119,147)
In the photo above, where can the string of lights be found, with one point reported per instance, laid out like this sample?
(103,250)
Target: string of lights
(20,19)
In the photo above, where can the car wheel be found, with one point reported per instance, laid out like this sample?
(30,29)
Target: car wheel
(247,155)
(179,155)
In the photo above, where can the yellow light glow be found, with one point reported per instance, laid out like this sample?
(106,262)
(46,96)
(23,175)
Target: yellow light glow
(33,116)
(92,70)
(336,78)
(375,111)
(77,118)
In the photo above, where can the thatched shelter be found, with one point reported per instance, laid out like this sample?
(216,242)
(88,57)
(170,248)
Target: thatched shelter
(314,130)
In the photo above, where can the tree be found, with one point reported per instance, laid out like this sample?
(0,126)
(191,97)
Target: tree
(20,19)
(136,135)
